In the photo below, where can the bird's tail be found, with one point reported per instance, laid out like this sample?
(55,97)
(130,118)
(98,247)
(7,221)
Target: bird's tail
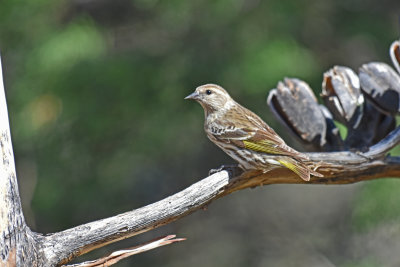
(299,168)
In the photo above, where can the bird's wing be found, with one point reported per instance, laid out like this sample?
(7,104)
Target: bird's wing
(247,130)
(231,132)
(266,142)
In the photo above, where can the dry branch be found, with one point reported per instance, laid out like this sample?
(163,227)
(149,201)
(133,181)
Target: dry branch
(337,168)
(21,247)
(15,237)
(116,256)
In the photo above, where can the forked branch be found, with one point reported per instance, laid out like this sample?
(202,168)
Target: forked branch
(337,168)
(367,123)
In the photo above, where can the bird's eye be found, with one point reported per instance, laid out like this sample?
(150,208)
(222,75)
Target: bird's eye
(208,92)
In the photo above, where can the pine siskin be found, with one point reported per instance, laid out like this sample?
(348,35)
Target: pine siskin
(244,136)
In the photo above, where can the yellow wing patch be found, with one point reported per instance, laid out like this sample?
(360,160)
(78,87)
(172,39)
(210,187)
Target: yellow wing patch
(301,171)
(289,165)
(262,146)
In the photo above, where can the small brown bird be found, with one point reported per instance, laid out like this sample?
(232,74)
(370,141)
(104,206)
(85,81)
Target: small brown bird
(244,136)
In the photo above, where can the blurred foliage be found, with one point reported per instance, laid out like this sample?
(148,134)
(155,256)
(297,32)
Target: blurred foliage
(376,203)
(95,92)
(342,129)
(362,263)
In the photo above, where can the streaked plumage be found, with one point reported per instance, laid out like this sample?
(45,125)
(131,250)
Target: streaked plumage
(244,136)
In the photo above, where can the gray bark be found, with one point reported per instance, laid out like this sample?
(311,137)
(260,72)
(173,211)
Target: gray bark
(22,247)
(17,242)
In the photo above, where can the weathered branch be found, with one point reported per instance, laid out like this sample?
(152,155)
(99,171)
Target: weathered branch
(21,247)
(116,256)
(337,168)
(15,236)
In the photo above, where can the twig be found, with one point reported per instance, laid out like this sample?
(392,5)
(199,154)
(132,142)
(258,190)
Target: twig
(116,256)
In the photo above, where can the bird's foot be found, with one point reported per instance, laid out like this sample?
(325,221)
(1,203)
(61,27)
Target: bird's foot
(233,170)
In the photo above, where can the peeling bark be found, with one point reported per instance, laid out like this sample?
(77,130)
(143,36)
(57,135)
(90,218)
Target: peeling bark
(16,243)
(22,247)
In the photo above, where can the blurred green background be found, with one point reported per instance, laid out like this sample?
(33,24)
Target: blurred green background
(95,94)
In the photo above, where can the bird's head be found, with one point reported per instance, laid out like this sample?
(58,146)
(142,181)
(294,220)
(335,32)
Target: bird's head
(212,98)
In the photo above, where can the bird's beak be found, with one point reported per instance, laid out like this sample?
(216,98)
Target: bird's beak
(194,96)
